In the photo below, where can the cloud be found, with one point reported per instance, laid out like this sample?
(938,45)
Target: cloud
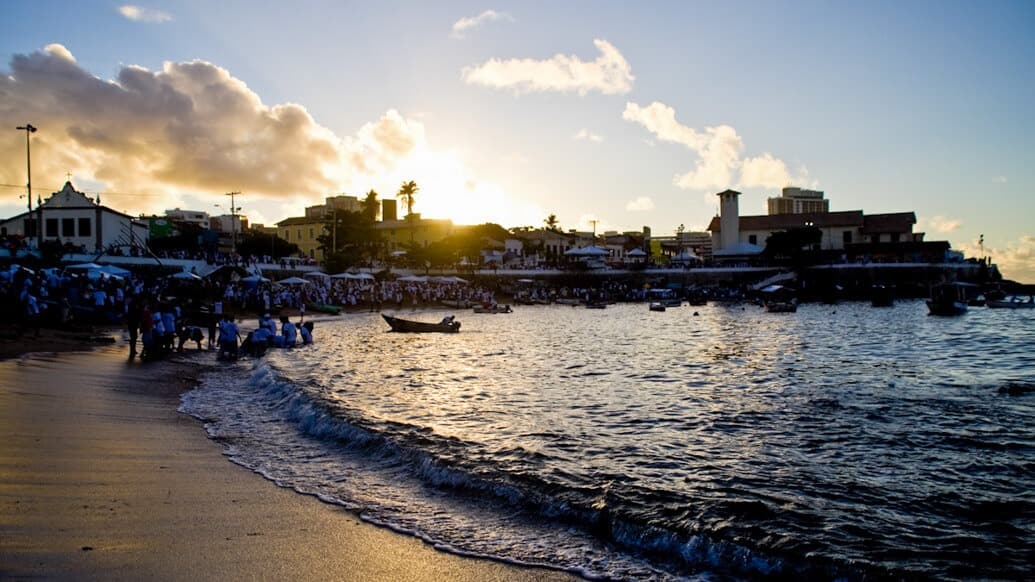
(1016,259)
(460,27)
(586,135)
(190,127)
(139,14)
(943,224)
(719,149)
(609,74)
(641,204)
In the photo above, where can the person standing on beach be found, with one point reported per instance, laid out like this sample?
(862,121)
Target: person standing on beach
(133,325)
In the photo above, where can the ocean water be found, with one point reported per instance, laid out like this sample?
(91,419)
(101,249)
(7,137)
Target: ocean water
(838,441)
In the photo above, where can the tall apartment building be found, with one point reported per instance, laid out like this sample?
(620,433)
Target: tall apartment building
(795,200)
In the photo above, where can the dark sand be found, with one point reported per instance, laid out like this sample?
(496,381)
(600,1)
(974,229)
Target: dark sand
(101,479)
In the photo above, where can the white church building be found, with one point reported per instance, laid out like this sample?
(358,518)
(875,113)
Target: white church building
(70,216)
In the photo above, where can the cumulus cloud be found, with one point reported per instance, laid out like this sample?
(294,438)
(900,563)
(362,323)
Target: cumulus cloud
(719,149)
(641,204)
(462,26)
(609,74)
(943,224)
(587,135)
(1015,259)
(191,126)
(141,14)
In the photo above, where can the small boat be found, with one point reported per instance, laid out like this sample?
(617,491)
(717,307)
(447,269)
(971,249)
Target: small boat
(493,309)
(779,299)
(882,296)
(405,325)
(790,306)
(950,299)
(1012,303)
(596,305)
(657,307)
(568,301)
(324,308)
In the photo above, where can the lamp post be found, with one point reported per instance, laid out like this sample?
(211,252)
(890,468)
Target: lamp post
(29,129)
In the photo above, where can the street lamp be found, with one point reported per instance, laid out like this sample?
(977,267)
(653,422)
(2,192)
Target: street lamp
(29,129)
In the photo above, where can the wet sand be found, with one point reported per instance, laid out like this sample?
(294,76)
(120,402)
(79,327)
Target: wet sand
(101,478)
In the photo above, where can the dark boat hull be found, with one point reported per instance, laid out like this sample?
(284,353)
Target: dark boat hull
(405,325)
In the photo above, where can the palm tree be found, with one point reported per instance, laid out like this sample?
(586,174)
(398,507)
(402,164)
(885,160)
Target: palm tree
(551,223)
(406,193)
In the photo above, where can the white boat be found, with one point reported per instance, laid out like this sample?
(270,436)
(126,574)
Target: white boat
(657,307)
(1011,303)
(492,309)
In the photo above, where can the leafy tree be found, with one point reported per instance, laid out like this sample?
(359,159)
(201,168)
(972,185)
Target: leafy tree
(792,244)
(369,206)
(254,242)
(349,240)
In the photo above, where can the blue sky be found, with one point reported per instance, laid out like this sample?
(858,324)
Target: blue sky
(886,106)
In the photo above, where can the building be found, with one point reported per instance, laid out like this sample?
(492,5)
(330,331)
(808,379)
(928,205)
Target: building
(389,209)
(304,232)
(71,217)
(849,234)
(197,217)
(795,200)
(399,234)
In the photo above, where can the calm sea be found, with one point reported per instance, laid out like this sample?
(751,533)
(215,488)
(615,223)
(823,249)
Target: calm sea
(838,441)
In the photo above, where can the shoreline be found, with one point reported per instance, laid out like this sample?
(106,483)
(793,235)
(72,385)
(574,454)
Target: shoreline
(103,478)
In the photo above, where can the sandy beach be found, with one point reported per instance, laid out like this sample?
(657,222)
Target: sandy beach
(102,478)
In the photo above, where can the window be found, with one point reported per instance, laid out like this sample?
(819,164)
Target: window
(52,226)
(753,239)
(29,227)
(84,227)
(846,237)
(299,233)
(67,227)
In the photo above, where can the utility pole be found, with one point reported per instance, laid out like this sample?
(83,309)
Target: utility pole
(29,129)
(233,221)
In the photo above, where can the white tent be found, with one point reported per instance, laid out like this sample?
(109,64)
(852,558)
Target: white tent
(685,257)
(413,279)
(113,270)
(636,253)
(83,267)
(294,281)
(354,276)
(590,251)
(185,276)
(317,275)
(254,279)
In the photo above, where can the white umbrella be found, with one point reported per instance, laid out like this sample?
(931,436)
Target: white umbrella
(343,276)
(589,251)
(254,279)
(364,276)
(113,270)
(294,281)
(317,275)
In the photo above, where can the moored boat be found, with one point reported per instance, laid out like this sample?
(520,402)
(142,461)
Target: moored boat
(1012,303)
(324,308)
(950,299)
(882,296)
(447,325)
(657,307)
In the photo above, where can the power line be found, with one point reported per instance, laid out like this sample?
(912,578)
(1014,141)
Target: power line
(52,190)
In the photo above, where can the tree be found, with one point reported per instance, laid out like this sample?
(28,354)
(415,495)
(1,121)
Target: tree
(369,206)
(406,194)
(348,239)
(551,223)
(792,244)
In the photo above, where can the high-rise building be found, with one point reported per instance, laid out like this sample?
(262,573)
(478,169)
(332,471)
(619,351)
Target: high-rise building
(389,209)
(794,200)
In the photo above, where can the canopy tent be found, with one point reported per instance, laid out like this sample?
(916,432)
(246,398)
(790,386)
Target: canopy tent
(83,267)
(685,257)
(354,276)
(294,281)
(413,279)
(317,275)
(185,276)
(254,279)
(113,270)
(590,251)
(636,253)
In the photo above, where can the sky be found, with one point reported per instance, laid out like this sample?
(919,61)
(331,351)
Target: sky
(627,114)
